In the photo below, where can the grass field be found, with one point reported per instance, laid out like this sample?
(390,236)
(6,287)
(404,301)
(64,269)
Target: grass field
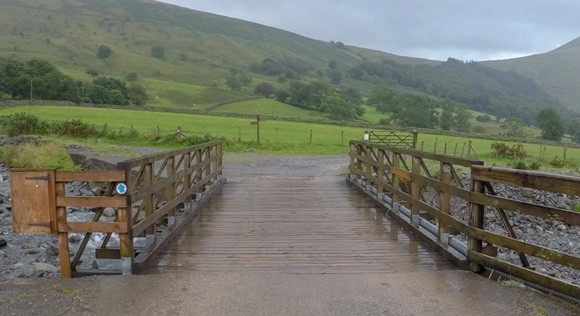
(266,107)
(276,136)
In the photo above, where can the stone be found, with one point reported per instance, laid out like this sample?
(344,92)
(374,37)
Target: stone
(527,192)
(52,251)
(109,211)
(30,245)
(554,245)
(44,267)
(539,229)
(562,227)
(74,238)
(26,270)
(561,202)
(3,243)
(3,254)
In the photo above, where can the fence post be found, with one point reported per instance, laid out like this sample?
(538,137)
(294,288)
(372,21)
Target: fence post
(125,242)
(148,202)
(445,201)
(311,136)
(239,134)
(415,137)
(415,190)
(342,137)
(565,150)
(455,150)
(476,216)
(380,173)
(396,181)
(435,145)
(63,248)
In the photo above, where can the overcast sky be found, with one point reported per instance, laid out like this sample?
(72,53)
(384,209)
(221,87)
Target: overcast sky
(433,29)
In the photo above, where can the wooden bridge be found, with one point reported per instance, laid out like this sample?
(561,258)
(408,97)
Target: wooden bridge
(177,215)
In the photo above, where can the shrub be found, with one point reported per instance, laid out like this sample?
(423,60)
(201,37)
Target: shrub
(23,124)
(502,150)
(557,162)
(47,155)
(104,51)
(73,128)
(535,165)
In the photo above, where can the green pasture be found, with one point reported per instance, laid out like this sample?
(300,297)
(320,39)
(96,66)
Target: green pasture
(276,136)
(266,107)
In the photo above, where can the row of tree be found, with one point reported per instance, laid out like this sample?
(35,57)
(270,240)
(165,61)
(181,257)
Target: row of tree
(406,109)
(38,79)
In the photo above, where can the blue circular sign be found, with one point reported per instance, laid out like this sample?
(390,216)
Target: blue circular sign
(121,188)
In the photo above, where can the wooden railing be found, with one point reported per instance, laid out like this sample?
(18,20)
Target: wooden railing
(400,178)
(153,197)
(159,185)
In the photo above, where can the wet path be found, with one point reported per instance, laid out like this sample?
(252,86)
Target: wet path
(303,224)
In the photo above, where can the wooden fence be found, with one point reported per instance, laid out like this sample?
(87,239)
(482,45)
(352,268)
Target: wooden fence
(153,196)
(393,138)
(399,179)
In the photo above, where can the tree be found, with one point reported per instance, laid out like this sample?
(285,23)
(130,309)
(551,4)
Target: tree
(574,130)
(104,51)
(339,108)
(235,79)
(265,88)
(158,52)
(550,122)
(513,127)
(137,94)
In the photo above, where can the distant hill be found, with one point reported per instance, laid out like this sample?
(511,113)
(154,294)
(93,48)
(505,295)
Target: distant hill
(183,58)
(557,71)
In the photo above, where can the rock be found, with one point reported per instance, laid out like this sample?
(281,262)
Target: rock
(26,270)
(74,238)
(490,216)
(6,222)
(52,251)
(109,211)
(554,245)
(527,192)
(539,229)
(3,243)
(30,245)
(561,202)
(1,178)
(44,267)
(3,254)
(562,227)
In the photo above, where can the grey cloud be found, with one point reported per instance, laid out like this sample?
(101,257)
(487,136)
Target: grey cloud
(468,30)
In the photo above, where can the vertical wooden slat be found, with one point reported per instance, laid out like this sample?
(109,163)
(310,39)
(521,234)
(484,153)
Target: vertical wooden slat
(63,248)
(476,221)
(170,189)
(187,175)
(396,180)
(415,190)
(444,199)
(125,242)
(148,200)
(380,171)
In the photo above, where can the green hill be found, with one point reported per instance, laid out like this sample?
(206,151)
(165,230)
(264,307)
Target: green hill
(183,57)
(557,71)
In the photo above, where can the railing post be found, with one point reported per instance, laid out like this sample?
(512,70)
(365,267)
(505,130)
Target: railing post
(63,247)
(187,175)
(148,200)
(475,221)
(396,181)
(444,201)
(415,190)
(170,190)
(380,173)
(125,242)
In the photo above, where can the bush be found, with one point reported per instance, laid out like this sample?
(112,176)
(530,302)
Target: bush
(502,150)
(48,155)
(483,118)
(535,165)
(23,124)
(73,128)
(132,76)
(158,52)
(557,162)
(104,51)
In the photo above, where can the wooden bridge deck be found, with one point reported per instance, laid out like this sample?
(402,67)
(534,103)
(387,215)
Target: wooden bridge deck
(294,225)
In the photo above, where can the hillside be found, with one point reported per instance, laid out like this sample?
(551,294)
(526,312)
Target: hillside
(183,58)
(557,71)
